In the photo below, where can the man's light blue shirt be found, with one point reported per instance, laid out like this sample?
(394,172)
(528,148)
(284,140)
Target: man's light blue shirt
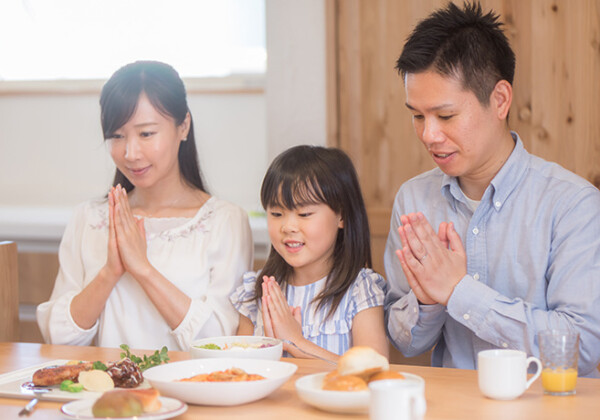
(533,262)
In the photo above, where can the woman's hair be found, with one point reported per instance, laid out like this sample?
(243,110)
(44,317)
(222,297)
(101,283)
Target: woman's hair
(305,175)
(166,92)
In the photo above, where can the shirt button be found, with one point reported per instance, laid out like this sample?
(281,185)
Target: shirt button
(504,345)
(415,310)
(476,276)
(475,231)
(497,204)
(466,317)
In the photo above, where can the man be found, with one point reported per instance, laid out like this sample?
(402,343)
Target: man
(518,244)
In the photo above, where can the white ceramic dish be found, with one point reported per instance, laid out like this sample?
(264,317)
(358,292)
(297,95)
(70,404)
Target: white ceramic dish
(14,385)
(82,409)
(310,390)
(238,346)
(165,379)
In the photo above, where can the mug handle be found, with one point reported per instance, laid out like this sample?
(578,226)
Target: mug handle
(538,371)
(418,407)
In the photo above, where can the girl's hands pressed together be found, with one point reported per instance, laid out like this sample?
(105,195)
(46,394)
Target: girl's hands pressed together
(280,320)
(131,236)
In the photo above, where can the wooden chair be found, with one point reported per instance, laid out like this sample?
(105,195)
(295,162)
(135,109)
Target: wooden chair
(9,292)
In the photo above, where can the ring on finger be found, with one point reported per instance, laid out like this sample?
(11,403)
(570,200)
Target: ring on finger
(423,257)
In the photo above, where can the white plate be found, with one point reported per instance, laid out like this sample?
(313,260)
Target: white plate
(11,385)
(310,390)
(273,352)
(165,378)
(82,409)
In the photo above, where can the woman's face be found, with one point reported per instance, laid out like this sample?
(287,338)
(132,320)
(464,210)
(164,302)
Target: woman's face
(145,148)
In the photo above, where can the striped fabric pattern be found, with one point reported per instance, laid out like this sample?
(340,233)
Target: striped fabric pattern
(333,333)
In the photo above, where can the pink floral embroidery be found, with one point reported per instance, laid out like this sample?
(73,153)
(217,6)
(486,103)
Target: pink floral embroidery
(102,221)
(198,226)
(169,235)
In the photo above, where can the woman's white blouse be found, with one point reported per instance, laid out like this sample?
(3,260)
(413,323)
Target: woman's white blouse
(204,256)
(333,334)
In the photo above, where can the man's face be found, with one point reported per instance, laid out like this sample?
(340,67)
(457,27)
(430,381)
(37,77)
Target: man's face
(462,136)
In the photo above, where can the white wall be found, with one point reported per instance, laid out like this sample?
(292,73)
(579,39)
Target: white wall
(296,101)
(52,155)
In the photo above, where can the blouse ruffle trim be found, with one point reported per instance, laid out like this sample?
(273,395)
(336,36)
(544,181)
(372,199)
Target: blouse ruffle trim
(198,223)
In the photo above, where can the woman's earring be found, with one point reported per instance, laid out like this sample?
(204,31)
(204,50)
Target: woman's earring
(184,139)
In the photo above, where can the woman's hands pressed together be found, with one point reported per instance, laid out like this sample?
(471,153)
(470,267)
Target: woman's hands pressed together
(432,263)
(114,265)
(129,233)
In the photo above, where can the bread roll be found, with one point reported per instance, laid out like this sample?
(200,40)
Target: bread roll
(148,397)
(386,374)
(117,404)
(126,403)
(345,383)
(362,361)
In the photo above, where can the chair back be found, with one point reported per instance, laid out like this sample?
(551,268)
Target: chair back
(9,292)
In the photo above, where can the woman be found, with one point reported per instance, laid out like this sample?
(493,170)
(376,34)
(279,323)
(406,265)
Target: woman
(153,263)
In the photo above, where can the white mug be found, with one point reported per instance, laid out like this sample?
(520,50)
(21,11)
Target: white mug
(503,373)
(397,399)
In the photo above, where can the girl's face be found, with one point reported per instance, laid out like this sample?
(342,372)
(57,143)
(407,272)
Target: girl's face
(145,148)
(305,237)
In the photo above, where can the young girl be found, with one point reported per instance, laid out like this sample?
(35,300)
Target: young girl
(154,263)
(316,289)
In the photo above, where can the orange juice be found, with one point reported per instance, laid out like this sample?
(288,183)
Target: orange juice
(559,380)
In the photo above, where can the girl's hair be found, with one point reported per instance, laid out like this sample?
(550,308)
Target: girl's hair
(305,175)
(166,92)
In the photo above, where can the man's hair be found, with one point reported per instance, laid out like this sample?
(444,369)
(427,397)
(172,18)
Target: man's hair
(463,43)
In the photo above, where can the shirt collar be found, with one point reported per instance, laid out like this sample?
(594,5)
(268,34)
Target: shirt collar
(502,184)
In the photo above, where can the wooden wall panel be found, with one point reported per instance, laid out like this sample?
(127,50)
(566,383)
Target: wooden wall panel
(37,273)
(556,102)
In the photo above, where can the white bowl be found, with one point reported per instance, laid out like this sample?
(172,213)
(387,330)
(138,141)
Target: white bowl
(310,390)
(238,346)
(166,377)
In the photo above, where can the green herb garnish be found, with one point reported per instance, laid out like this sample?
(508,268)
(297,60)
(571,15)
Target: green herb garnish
(155,359)
(97,365)
(209,346)
(70,386)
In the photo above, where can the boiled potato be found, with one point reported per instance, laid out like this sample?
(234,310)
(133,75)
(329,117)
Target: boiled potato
(96,381)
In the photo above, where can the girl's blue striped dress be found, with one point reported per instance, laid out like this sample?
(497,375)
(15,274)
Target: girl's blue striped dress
(334,333)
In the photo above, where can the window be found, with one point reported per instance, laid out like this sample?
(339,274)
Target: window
(90,39)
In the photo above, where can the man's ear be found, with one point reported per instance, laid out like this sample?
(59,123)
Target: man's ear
(501,98)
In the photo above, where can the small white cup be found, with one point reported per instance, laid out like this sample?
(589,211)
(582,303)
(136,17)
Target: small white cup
(503,373)
(397,399)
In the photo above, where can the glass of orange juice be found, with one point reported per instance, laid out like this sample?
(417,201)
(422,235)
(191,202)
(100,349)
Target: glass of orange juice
(559,353)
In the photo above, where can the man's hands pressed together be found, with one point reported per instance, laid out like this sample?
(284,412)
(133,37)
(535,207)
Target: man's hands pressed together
(432,263)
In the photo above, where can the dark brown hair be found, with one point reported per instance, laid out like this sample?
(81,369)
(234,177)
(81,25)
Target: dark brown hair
(461,42)
(313,175)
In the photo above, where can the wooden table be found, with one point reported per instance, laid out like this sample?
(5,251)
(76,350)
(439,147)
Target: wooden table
(450,393)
